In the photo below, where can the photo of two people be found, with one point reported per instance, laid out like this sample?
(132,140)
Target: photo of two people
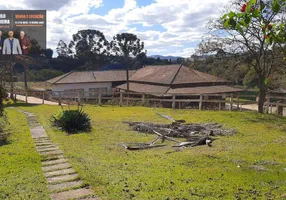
(14,46)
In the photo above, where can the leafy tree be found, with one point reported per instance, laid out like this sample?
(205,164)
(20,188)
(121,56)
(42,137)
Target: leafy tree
(49,53)
(90,46)
(129,49)
(62,49)
(43,75)
(250,79)
(127,45)
(252,27)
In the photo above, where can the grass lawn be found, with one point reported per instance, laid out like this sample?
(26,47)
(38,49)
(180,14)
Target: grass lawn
(219,172)
(21,175)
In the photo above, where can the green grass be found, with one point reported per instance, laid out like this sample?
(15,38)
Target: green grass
(194,173)
(21,176)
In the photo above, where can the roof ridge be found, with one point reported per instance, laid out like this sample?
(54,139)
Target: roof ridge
(64,76)
(174,78)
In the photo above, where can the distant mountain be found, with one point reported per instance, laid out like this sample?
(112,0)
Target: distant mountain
(173,58)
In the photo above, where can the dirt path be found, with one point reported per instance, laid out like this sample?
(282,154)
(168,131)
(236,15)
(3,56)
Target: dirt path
(62,180)
(35,100)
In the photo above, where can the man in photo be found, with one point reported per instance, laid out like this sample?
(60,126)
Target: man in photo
(11,45)
(25,43)
(1,42)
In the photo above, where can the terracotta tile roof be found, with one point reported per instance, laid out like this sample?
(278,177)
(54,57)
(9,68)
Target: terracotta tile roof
(156,74)
(169,80)
(91,77)
(173,74)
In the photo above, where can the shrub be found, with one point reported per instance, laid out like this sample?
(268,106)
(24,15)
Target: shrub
(72,121)
(3,136)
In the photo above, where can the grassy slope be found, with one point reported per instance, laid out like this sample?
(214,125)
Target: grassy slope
(194,173)
(21,176)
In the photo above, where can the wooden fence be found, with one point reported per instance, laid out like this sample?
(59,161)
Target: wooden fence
(180,101)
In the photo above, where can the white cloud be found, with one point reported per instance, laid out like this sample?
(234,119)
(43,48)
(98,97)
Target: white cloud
(183,21)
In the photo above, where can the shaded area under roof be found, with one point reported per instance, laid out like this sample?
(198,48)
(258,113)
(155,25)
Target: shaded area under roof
(204,90)
(167,91)
(145,88)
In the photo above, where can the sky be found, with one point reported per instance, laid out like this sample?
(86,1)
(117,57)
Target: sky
(167,27)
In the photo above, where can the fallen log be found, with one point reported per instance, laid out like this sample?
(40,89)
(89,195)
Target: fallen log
(195,134)
(181,130)
(142,147)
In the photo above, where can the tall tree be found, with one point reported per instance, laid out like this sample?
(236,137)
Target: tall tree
(129,47)
(91,46)
(254,27)
(62,49)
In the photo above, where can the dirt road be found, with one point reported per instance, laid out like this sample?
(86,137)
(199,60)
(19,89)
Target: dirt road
(35,100)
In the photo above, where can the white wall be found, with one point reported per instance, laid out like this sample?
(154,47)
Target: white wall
(85,86)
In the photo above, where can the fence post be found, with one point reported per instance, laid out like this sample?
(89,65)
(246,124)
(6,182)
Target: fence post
(143,99)
(121,99)
(60,99)
(79,98)
(174,102)
(219,106)
(43,100)
(26,96)
(201,102)
(237,101)
(99,99)
(268,102)
(231,102)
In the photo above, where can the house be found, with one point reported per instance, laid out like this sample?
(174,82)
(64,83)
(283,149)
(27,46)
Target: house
(178,80)
(157,81)
(89,81)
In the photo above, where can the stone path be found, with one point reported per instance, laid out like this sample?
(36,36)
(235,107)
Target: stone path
(62,180)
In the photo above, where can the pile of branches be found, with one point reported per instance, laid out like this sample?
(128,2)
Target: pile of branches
(195,134)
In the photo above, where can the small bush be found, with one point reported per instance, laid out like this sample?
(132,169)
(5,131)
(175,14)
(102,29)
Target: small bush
(3,136)
(72,121)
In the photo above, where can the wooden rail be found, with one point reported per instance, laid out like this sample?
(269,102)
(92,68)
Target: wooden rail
(233,101)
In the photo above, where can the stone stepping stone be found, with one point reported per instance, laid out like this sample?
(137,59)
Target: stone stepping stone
(60,172)
(57,152)
(52,157)
(56,167)
(48,149)
(62,178)
(53,162)
(43,144)
(65,185)
(45,147)
(38,132)
(42,139)
(71,194)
